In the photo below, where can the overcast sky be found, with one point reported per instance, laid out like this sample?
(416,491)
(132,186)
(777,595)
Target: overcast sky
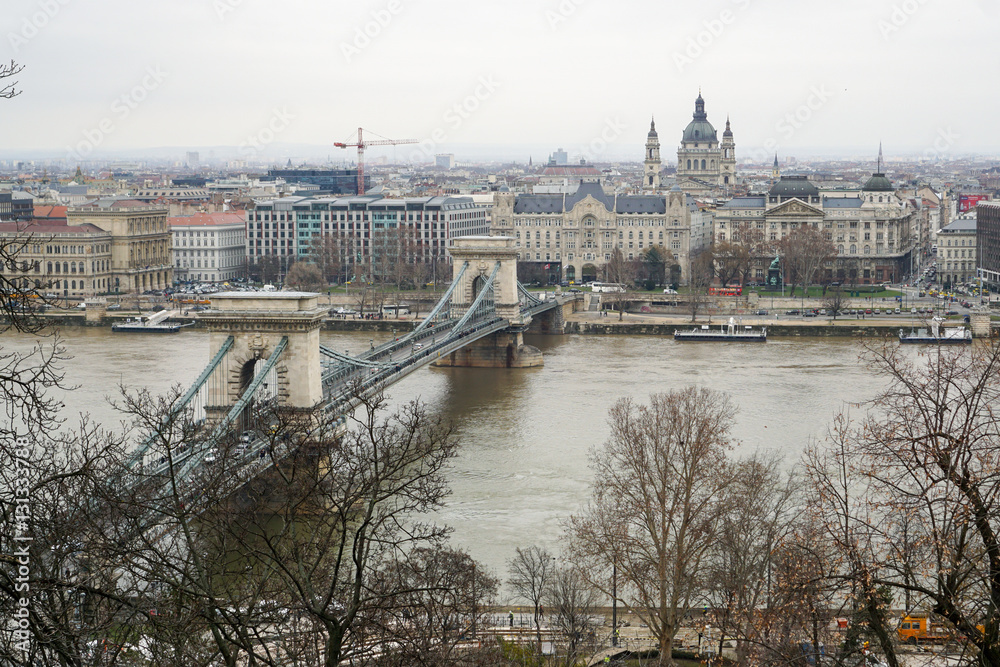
(797,77)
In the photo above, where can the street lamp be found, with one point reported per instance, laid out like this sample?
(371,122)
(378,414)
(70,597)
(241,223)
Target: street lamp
(614,604)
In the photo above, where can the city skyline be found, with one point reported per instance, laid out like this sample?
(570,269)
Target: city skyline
(516,79)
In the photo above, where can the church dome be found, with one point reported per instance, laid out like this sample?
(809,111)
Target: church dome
(699,129)
(652,130)
(878,183)
(794,186)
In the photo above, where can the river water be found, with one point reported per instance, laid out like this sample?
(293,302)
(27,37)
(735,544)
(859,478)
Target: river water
(525,433)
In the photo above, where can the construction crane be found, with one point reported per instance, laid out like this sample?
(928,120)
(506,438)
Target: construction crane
(362,145)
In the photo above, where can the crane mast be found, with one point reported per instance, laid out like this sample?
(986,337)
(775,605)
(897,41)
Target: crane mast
(361,145)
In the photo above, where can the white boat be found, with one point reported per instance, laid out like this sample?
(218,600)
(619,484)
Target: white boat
(731,331)
(937,334)
(155,323)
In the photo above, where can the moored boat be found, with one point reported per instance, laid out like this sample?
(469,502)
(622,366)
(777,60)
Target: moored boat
(937,334)
(730,331)
(156,323)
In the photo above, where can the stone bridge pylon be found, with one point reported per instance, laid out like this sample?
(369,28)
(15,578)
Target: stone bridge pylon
(261,325)
(505,349)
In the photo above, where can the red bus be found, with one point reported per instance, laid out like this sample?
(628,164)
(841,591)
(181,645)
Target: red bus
(726,291)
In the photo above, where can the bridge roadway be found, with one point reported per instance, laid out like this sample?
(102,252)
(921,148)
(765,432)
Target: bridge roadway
(346,383)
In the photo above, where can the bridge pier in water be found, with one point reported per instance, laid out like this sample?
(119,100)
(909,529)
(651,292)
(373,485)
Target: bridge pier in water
(505,349)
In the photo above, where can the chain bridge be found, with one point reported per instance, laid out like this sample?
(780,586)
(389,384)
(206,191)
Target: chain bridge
(267,358)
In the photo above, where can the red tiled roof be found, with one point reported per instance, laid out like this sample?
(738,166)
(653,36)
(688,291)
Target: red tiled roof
(58,212)
(208,219)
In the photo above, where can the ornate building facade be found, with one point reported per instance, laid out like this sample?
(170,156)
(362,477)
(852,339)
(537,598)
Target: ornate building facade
(140,249)
(579,231)
(873,230)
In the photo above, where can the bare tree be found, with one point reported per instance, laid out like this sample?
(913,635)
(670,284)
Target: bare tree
(619,271)
(805,250)
(9,90)
(531,570)
(835,302)
(925,494)
(732,261)
(325,252)
(305,276)
(572,602)
(699,281)
(659,491)
(829,468)
(805,596)
(764,503)
(435,601)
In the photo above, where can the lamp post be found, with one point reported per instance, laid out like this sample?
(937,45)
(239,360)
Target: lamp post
(614,604)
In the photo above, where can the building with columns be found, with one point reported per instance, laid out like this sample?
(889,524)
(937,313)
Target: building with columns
(105,247)
(705,165)
(140,242)
(873,229)
(578,231)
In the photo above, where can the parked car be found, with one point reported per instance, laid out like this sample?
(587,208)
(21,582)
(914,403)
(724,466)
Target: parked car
(669,290)
(115,306)
(762,312)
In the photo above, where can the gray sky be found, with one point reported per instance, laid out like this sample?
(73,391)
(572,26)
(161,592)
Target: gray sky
(795,76)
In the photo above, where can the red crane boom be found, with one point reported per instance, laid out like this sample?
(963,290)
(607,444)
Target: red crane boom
(361,145)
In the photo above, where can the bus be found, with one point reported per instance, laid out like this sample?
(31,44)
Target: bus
(607,287)
(726,291)
(395,310)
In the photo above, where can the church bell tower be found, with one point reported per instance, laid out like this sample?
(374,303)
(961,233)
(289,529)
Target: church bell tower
(651,173)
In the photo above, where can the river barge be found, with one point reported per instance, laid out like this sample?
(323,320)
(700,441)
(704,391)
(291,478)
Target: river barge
(156,323)
(732,331)
(937,335)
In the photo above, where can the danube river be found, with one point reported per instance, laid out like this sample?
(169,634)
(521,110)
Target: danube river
(525,434)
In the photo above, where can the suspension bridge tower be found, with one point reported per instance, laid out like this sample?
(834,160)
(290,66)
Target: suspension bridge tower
(264,324)
(505,349)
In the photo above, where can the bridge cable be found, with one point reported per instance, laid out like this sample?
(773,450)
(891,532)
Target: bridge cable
(487,287)
(140,451)
(531,298)
(238,407)
(444,301)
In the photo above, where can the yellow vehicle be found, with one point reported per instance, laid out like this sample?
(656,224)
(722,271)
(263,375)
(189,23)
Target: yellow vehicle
(922,629)
(925,629)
